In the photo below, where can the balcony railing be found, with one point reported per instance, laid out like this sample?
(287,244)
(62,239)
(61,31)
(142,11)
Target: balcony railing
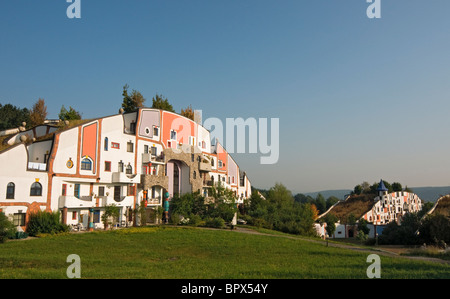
(149,158)
(204,166)
(74,202)
(120,177)
(37,166)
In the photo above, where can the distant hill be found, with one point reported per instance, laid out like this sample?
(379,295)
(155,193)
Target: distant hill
(431,193)
(341,194)
(425,193)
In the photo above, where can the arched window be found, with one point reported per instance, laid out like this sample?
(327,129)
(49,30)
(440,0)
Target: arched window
(195,175)
(86,164)
(36,189)
(10,190)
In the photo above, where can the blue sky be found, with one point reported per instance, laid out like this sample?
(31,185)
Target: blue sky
(358,99)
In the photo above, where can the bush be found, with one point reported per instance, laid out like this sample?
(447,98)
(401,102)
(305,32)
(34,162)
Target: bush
(43,222)
(216,222)
(7,229)
(195,220)
(435,228)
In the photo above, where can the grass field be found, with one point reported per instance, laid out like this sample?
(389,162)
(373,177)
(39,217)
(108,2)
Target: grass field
(193,253)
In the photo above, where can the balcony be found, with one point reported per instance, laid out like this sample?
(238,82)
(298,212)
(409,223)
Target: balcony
(149,158)
(37,166)
(74,202)
(122,178)
(204,166)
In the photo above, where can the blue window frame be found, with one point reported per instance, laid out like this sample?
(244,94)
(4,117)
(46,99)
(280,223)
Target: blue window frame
(86,164)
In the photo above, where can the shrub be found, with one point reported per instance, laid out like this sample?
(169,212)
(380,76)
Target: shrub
(7,229)
(216,222)
(435,228)
(43,222)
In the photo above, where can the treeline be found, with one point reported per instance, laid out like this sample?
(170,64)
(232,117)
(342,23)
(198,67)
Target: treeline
(12,116)
(366,188)
(278,210)
(417,230)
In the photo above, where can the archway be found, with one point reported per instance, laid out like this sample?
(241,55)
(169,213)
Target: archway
(178,175)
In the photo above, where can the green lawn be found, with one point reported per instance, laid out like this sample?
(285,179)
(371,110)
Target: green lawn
(190,253)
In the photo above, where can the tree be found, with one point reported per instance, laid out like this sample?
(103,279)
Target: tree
(72,114)
(110,215)
(7,228)
(188,112)
(331,201)
(435,229)
(357,190)
(362,226)
(315,212)
(38,113)
(330,220)
(321,203)
(12,117)
(396,187)
(132,102)
(160,102)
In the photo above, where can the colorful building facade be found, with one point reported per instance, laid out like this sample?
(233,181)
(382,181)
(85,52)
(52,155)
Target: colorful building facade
(125,159)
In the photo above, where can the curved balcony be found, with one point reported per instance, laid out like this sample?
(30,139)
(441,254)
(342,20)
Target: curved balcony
(122,178)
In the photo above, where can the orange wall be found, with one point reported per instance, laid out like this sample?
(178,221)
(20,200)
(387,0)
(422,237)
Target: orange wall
(90,141)
(182,125)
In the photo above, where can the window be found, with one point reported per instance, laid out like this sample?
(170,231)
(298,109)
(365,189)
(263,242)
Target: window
(74,215)
(107,165)
(192,158)
(117,193)
(36,189)
(106,143)
(19,219)
(133,127)
(129,169)
(195,175)
(101,191)
(64,190)
(115,145)
(97,216)
(131,190)
(155,131)
(145,149)
(153,192)
(220,164)
(203,144)
(130,147)
(154,151)
(120,167)
(86,164)
(76,191)
(173,134)
(10,190)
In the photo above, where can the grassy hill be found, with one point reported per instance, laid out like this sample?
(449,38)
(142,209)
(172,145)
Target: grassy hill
(193,253)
